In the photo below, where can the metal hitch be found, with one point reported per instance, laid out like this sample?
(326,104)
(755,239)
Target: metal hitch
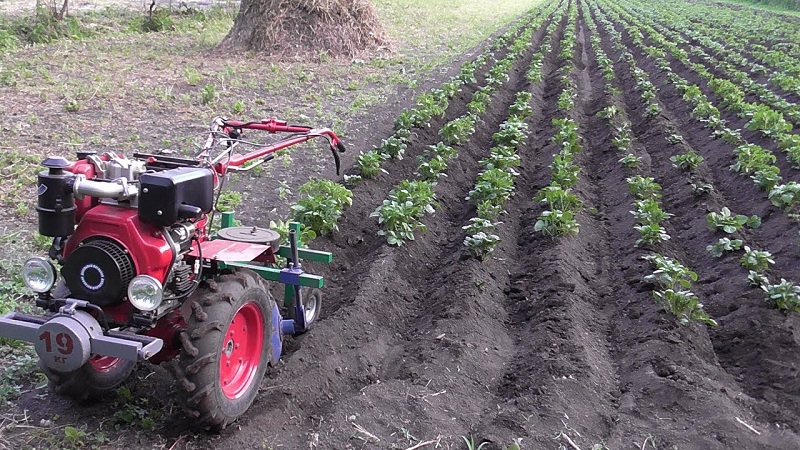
(66,340)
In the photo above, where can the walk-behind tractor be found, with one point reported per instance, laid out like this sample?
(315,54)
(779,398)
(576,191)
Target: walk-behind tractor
(137,272)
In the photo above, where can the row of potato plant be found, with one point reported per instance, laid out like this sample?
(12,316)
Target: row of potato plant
(761,118)
(433,104)
(660,19)
(400,215)
(752,160)
(784,295)
(765,40)
(767,118)
(321,202)
(672,279)
(495,183)
(729,63)
(559,217)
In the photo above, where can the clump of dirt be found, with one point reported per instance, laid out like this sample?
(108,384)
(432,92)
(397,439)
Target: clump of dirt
(281,28)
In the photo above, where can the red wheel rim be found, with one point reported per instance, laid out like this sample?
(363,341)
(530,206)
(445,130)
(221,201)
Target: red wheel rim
(104,364)
(241,350)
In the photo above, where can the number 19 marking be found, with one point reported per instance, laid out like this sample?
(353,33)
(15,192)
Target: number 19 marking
(63,342)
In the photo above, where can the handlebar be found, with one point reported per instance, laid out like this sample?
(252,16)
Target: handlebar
(230,129)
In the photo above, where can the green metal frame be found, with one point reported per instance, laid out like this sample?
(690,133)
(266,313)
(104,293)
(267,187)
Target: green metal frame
(273,274)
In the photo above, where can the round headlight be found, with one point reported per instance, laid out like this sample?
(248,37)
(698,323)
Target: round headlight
(145,293)
(39,274)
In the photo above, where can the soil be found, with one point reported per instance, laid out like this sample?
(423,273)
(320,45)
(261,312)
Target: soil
(557,342)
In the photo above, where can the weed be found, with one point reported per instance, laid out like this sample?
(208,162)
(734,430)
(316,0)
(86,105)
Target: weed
(228,201)
(208,95)
(472,445)
(134,412)
(192,76)
(284,190)
(20,366)
(237,108)
(282,228)
(72,105)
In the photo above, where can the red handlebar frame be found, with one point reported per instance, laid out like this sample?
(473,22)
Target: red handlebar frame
(273,125)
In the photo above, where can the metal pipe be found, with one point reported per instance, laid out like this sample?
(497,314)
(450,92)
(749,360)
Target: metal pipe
(119,190)
(293,247)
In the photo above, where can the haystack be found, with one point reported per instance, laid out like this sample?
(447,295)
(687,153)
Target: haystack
(286,28)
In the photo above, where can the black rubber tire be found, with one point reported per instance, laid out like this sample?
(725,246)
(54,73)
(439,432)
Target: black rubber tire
(212,309)
(305,295)
(87,384)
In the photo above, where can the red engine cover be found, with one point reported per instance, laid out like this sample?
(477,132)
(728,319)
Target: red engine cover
(149,250)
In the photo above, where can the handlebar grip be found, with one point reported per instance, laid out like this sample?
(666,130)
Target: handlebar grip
(336,156)
(340,147)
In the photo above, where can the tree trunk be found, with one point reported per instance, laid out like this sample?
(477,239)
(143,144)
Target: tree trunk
(305,27)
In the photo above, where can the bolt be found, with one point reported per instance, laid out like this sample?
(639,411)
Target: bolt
(145,191)
(237,346)
(228,363)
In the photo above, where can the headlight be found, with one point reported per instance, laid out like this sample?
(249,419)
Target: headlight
(39,274)
(145,293)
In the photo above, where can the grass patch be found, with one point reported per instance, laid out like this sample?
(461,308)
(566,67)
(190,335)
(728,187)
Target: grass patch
(18,170)
(446,26)
(790,7)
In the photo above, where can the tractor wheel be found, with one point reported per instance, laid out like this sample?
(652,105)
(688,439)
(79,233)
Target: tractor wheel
(226,348)
(98,376)
(312,304)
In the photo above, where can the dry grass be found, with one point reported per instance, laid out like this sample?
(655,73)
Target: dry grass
(308,28)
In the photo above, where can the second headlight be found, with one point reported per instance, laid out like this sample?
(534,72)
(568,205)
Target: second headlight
(145,293)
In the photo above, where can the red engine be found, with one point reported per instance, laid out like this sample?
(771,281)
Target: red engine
(143,224)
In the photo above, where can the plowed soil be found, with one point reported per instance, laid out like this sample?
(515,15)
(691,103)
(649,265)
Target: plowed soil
(558,342)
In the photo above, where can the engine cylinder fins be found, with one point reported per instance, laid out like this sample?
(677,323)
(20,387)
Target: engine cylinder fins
(251,235)
(99,271)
